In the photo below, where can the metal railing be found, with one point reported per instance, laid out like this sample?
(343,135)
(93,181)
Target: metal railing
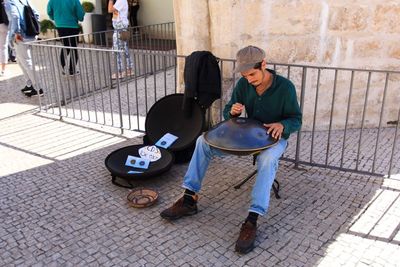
(351,116)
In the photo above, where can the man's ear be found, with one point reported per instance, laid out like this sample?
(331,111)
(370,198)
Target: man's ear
(264,64)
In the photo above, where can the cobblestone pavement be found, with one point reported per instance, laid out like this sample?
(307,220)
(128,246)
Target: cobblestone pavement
(59,208)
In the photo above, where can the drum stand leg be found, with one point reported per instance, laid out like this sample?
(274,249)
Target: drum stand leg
(114,182)
(251,175)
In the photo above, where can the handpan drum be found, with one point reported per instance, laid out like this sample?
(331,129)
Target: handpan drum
(239,136)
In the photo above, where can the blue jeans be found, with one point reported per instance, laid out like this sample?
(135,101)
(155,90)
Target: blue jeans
(267,165)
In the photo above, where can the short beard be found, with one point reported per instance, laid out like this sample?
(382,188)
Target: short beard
(262,79)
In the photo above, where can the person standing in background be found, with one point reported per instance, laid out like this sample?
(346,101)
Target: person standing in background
(66,14)
(119,10)
(3,38)
(18,36)
(133,11)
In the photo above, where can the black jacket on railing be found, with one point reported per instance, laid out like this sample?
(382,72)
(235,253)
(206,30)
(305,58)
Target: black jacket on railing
(202,80)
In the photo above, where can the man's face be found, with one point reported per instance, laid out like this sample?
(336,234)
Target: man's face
(253,76)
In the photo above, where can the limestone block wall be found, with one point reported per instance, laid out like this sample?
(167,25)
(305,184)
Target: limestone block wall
(361,34)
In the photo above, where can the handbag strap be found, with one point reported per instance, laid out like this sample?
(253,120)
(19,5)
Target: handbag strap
(27,3)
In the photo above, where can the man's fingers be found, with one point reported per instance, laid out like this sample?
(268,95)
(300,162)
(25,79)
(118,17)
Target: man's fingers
(275,133)
(271,131)
(275,130)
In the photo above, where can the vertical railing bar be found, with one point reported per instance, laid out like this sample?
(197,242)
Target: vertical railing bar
(165,74)
(101,88)
(125,59)
(363,118)
(155,77)
(82,95)
(48,94)
(145,83)
(288,73)
(119,91)
(72,58)
(136,93)
(76,64)
(380,120)
(57,91)
(143,40)
(42,70)
(162,37)
(155,62)
(103,69)
(79,92)
(347,118)
(94,83)
(315,115)
(79,84)
(164,40)
(53,94)
(140,56)
(331,118)
(35,78)
(170,49)
(150,43)
(57,83)
(394,145)
(302,94)
(160,44)
(127,94)
(63,93)
(233,77)
(138,64)
(36,56)
(175,75)
(135,49)
(87,95)
(110,87)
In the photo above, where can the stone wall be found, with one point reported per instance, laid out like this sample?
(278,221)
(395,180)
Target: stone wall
(361,34)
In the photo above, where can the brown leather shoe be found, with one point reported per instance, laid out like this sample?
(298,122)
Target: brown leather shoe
(180,209)
(247,236)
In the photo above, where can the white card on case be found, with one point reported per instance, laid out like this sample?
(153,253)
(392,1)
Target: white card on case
(151,153)
(137,162)
(166,141)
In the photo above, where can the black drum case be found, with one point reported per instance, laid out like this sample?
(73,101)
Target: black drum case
(165,116)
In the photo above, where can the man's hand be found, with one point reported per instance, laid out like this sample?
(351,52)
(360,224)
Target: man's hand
(236,109)
(275,129)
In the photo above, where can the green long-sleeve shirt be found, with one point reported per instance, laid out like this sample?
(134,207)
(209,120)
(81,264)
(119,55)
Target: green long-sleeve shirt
(65,13)
(277,104)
